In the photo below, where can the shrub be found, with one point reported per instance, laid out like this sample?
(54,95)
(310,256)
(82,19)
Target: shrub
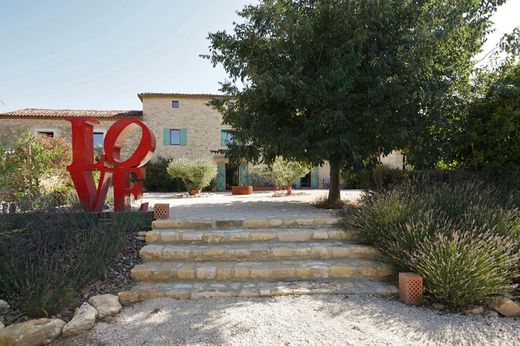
(284,172)
(195,174)
(419,211)
(465,268)
(25,169)
(46,264)
(158,179)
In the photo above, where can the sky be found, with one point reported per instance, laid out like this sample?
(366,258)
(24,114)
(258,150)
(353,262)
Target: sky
(99,54)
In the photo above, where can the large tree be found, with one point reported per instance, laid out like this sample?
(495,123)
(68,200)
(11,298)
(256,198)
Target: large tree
(343,81)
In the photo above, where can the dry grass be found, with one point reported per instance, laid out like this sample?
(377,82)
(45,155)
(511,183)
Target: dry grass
(323,203)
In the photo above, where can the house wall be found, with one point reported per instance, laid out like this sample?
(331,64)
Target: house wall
(203,125)
(393,160)
(11,129)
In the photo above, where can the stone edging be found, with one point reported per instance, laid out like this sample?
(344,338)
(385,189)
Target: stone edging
(45,330)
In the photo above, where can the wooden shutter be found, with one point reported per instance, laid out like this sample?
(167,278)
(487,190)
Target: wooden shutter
(223,137)
(314,178)
(184,137)
(166,138)
(221,176)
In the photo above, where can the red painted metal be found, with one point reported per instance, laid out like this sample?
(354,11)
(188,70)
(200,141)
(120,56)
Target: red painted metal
(112,169)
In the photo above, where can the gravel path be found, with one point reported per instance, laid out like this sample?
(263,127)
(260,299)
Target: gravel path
(302,320)
(223,205)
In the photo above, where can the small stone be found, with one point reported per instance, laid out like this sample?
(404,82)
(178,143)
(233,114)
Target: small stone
(42,331)
(438,306)
(2,325)
(106,305)
(474,310)
(491,313)
(505,307)
(83,320)
(4,307)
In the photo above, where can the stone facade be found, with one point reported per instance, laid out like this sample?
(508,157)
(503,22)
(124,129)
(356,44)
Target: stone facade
(196,126)
(11,129)
(203,125)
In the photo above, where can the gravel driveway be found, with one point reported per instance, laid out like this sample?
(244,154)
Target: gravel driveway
(300,320)
(224,205)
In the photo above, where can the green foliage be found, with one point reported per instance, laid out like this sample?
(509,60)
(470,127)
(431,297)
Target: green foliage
(410,220)
(283,172)
(34,168)
(344,81)
(465,268)
(158,179)
(195,174)
(485,131)
(47,263)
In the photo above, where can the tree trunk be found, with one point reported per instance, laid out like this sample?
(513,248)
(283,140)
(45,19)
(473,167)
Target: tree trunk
(334,188)
(289,190)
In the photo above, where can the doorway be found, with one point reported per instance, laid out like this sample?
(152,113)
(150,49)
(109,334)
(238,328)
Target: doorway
(231,175)
(306,181)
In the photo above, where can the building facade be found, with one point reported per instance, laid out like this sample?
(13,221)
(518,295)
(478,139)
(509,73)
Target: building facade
(184,125)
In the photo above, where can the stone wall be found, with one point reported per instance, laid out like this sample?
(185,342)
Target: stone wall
(11,129)
(203,125)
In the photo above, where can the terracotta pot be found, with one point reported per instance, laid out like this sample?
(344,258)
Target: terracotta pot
(194,192)
(242,190)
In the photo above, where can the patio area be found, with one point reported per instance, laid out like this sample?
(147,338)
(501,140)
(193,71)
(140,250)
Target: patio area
(224,205)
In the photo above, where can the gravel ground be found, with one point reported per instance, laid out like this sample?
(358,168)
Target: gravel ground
(301,320)
(222,205)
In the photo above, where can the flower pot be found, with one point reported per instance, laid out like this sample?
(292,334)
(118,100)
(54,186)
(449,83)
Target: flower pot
(194,192)
(242,190)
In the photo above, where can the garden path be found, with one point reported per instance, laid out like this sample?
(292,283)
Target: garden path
(259,205)
(290,320)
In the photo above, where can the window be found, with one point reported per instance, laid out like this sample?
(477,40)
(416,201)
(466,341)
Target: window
(226,137)
(230,105)
(49,134)
(175,137)
(98,141)
(175,104)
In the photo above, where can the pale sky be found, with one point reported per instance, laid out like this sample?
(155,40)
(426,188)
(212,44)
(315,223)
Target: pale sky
(98,54)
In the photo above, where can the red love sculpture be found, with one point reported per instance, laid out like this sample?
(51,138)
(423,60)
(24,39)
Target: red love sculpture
(110,166)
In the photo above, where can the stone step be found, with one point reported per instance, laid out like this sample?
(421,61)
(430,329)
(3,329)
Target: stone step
(269,271)
(326,221)
(257,251)
(245,235)
(196,290)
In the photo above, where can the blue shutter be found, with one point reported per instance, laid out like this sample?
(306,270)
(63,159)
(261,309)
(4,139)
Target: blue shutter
(223,137)
(221,176)
(166,138)
(298,183)
(314,178)
(243,175)
(184,137)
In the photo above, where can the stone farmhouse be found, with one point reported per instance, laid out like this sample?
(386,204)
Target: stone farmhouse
(183,125)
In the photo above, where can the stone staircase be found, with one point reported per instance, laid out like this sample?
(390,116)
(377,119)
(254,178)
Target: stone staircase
(225,258)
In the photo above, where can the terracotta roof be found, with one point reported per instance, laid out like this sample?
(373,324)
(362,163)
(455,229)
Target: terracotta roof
(65,113)
(142,95)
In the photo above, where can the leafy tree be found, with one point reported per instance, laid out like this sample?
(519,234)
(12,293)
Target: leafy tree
(195,174)
(343,81)
(33,160)
(284,172)
(492,123)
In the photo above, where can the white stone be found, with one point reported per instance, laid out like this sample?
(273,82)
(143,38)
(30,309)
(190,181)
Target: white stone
(505,307)
(42,331)
(2,325)
(106,305)
(4,307)
(475,310)
(83,320)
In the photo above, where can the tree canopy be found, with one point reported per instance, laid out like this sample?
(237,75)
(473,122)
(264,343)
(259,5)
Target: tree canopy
(344,81)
